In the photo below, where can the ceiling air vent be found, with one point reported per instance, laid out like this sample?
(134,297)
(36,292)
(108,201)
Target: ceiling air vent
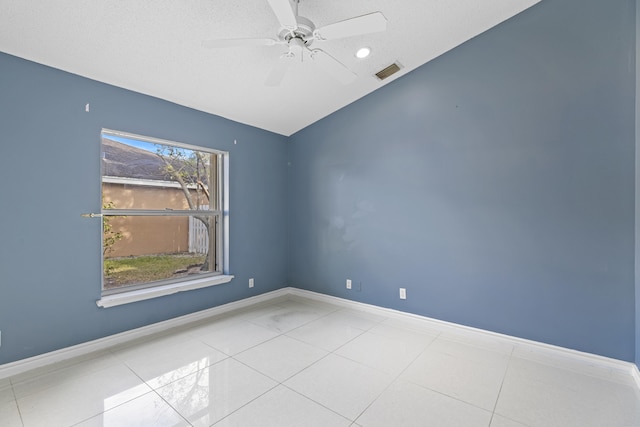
(388,71)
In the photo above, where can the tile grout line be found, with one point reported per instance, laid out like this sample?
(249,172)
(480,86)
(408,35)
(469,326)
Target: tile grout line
(328,353)
(15,399)
(442,336)
(232,356)
(282,383)
(504,378)
(438,335)
(250,401)
(395,378)
(70,366)
(153,390)
(278,383)
(317,403)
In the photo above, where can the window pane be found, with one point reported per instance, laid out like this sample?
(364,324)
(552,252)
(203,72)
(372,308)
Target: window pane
(143,249)
(148,184)
(143,175)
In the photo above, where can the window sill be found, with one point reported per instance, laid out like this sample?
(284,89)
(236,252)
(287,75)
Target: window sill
(160,291)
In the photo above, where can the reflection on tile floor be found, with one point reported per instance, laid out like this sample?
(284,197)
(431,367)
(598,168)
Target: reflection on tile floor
(305,363)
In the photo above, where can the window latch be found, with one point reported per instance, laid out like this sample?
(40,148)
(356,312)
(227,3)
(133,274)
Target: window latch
(91,215)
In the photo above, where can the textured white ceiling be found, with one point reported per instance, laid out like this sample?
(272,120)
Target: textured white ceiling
(155,47)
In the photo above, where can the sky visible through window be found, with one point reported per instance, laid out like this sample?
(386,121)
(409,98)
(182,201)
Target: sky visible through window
(135,143)
(148,146)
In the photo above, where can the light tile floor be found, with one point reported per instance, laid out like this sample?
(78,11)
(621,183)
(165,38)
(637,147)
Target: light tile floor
(305,363)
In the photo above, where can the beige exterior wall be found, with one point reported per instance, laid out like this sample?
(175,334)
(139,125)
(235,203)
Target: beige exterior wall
(147,235)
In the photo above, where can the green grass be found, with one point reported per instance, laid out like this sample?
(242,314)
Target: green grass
(142,269)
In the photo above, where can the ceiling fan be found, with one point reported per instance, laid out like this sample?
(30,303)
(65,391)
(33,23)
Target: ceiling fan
(299,33)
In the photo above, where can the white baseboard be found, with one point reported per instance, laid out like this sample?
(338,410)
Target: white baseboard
(636,375)
(42,360)
(587,363)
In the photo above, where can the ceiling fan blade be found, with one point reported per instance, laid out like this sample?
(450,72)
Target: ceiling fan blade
(333,67)
(224,43)
(278,71)
(365,24)
(285,13)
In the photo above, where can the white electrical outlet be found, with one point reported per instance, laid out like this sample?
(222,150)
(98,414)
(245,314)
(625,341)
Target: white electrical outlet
(348,283)
(251,282)
(403,293)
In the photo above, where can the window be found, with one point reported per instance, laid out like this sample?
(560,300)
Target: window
(164,217)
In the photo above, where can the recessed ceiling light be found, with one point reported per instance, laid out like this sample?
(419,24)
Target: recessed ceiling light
(363,52)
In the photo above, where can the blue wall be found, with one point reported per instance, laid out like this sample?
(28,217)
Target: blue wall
(637,272)
(495,183)
(50,174)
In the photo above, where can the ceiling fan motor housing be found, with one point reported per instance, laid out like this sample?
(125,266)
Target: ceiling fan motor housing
(303,31)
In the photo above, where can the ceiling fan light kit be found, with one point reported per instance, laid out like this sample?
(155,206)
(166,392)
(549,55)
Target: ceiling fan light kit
(299,33)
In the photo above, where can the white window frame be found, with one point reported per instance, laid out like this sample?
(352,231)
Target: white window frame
(111,298)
